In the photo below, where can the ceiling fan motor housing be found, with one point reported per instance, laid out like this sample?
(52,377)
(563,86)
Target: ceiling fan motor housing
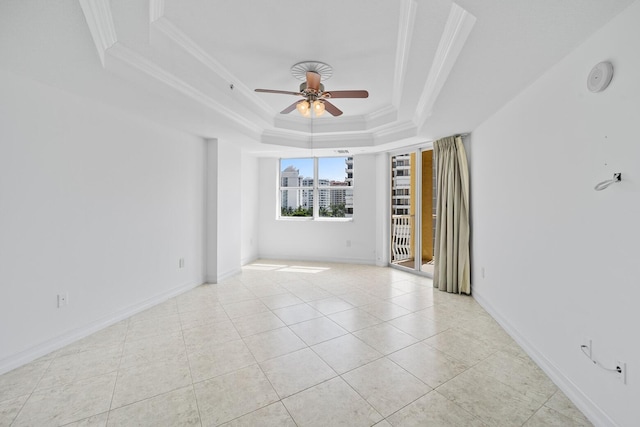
(303,89)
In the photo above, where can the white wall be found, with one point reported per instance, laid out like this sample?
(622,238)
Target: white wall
(250,207)
(94,203)
(229,202)
(211,211)
(224,203)
(560,258)
(320,240)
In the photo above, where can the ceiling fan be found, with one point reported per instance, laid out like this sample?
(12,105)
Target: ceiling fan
(315,98)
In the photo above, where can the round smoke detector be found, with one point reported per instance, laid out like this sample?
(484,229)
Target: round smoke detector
(600,77)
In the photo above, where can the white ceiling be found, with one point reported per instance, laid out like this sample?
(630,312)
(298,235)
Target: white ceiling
(432,68)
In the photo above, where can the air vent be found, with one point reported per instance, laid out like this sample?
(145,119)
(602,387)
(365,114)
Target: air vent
(342,151)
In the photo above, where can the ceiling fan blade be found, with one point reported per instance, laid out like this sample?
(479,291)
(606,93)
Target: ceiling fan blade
(346,94)
(284,92)
(332,109)
(290,108)
(313,80)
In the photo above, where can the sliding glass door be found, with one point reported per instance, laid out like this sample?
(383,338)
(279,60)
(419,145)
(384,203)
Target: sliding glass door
(403,221)
(412,210)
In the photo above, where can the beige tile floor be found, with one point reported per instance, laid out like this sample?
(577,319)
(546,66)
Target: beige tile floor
(290,343)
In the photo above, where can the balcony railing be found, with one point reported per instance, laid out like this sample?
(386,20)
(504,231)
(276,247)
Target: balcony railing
(402,226)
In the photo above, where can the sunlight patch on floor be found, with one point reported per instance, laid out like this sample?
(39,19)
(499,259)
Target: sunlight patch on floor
(286,268)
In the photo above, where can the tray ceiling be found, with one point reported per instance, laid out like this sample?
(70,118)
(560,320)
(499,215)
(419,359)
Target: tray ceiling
(431,67)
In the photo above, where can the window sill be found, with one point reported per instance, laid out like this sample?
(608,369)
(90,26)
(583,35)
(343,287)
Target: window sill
(329,219)
(321,219)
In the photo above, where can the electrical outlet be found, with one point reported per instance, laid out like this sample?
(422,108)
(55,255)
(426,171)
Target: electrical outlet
(621,367)
(63,300)
(181,263)
(586,347)
(482,272)
(348,243)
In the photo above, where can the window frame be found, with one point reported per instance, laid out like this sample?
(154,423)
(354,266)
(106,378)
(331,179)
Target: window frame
(316,188)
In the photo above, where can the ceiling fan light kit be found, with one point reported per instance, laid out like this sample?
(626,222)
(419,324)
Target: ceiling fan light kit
(315,97)
(304,108)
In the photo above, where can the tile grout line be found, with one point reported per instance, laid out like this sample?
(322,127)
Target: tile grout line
(193,388)
(258,364)
(33,390)
(115,383)
(255,288)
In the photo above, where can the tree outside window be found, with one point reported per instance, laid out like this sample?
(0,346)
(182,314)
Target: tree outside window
(316,187)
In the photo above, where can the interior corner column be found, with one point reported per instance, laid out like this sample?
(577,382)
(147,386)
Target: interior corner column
(211,211)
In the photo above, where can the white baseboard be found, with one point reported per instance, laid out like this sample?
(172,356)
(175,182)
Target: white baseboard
(228,274)
(65,339)
(592,411)
(249,260)
(211,279)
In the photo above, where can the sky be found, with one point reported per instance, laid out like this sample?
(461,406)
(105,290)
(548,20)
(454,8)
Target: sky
(331,168)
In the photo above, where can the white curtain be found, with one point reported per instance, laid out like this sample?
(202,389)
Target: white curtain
(451,252)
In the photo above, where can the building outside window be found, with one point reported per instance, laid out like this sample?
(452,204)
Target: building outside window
(316,187)
(401,184)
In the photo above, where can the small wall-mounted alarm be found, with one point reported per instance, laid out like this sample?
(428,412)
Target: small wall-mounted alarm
(600,77)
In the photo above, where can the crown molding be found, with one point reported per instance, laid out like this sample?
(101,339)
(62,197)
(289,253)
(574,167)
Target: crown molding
(356,139)
(405,31)
(393,133)
(254,103)
(156,10)
(401,130)
(290,131)
(285,138)
(247,96)
(100,21)
(142,64)
(295,122)
(381,117)
(456,31)
(309,141)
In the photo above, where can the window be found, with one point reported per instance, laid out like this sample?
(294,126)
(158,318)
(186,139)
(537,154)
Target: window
(316,187)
